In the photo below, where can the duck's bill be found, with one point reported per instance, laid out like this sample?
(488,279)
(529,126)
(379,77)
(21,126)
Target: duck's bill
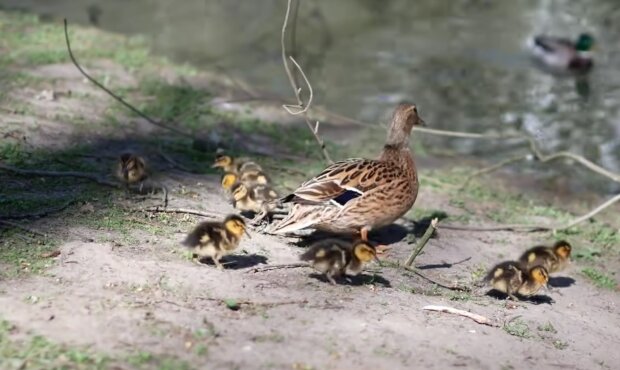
(247,233)
(422,122)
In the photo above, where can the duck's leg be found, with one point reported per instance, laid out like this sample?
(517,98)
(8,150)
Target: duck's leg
(381,248)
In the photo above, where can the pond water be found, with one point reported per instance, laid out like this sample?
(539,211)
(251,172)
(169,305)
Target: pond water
(462,62)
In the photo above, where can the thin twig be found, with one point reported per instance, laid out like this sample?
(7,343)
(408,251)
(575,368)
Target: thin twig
(277,267)
(188,211)
(252,303)
(40,213)
(457,288)
(516,228)
(477,318)
(25,228)
(116,97)
(83,175)
(494,168)
(302,108)
(590,214)
(425,238)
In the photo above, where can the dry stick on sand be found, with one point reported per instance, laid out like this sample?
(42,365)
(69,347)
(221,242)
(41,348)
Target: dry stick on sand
(477,318)
(251,303)
(82,175)
(301,108)
(188,211)
(425,238)
(277,267)
(116,97)
(25,228)
(45,212)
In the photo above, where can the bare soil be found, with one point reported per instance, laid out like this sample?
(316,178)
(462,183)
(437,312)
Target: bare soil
(137,291)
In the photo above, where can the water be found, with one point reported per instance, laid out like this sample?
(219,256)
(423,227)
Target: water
(462,62)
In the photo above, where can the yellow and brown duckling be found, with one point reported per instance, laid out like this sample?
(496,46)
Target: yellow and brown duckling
(216,239)
(235,165)
(513,279)
(260,199)
(131,169)
(554,258)
(336,257)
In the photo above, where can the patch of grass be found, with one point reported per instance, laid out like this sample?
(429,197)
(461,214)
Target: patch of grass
(21,253)
(518,328)
(559,344)
(548,327)
(599,278)
(460,296)
(38,353)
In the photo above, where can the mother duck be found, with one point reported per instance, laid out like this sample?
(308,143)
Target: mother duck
(358,195)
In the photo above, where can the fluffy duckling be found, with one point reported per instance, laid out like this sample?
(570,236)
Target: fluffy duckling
(216,239)
(131,169)
(335,257)
(513,279)
(235,165)
(554,258)
(260,199)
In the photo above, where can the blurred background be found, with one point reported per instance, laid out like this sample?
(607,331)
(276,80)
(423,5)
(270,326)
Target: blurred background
(463,62)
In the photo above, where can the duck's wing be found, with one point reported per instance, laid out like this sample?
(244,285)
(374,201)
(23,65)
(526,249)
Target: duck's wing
(343,181)
(552,44)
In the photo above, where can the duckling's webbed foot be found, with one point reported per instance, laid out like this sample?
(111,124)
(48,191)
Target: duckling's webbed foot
(331,279)
(218,264)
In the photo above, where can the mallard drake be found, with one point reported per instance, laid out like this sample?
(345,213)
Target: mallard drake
(235,165)
(357,195)
(336,257)
(257,198)
(561,54)
(554,258)
(216,239)
(513,279)
(131,169)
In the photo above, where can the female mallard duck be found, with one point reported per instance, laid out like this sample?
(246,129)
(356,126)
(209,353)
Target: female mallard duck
(562,54)
(357,195)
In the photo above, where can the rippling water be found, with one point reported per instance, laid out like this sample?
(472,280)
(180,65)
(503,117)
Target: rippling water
(462,61)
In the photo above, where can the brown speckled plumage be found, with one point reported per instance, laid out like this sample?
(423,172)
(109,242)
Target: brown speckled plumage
(360,194)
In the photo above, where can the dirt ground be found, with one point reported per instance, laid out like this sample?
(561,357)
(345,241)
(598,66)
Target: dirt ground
(123,284)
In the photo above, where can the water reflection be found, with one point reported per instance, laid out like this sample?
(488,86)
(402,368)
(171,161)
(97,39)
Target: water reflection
(462,61)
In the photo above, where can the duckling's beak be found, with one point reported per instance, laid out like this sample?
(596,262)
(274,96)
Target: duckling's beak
(215,165)
(422,122)
(247,233)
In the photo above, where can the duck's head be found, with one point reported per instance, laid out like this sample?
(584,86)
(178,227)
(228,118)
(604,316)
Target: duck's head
(562,249)
(539,274)
(364,251)
(228,180)
(404,118)
(235,225)
(585,42)
(222,161)
(239,192)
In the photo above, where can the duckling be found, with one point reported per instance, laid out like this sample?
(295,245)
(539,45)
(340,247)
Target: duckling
(216,239)
(336,257)
(554,258)
(228,180)
(513,279)
(260,199)
(131,169)
(235,165)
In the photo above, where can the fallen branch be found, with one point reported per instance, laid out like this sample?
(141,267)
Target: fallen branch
(41,213)
(228,302)
(477,318)
(425,238)
(301,107)
(181,210)
(277,267)
(21,227)
(116,97)
(457,288)
(590,214)
(82,175)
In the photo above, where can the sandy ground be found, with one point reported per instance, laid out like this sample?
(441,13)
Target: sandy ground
(119,294)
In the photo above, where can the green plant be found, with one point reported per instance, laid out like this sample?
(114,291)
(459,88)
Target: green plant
(599,278)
